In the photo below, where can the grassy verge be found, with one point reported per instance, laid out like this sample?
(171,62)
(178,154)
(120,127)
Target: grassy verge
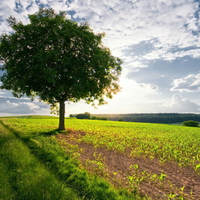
(23,176)
(40,169)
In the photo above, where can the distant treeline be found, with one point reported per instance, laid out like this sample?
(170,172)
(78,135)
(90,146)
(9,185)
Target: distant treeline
(152,117)
(87,115)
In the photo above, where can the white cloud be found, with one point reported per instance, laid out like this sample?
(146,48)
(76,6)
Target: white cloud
(190,83)
(149,86)
(164,54)
(179,104)
(133,63)
(125,22)
(13,105)
(168,26)
(140,20)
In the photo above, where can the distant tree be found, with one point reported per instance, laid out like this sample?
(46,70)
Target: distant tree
(99,118)
(133,119)
(191,123)
(57,60)
(85,115)
(94,117)
(102,118)
(88,115)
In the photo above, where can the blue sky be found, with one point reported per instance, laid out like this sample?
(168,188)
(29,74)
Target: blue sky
(158,40)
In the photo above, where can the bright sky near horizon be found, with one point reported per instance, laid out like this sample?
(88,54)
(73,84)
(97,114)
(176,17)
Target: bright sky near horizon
(158,40)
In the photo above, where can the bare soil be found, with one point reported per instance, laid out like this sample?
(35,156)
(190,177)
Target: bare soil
(147,177)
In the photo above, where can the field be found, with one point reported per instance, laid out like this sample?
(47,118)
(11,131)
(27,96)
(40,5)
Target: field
(110,160)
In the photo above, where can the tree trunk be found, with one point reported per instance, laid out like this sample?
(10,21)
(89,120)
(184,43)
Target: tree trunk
(62,116)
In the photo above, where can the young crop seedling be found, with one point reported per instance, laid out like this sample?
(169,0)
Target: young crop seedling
(197,168)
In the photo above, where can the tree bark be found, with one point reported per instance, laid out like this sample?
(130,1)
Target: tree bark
(62,116)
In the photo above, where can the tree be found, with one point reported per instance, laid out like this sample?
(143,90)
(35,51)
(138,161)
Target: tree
(191,123)
(57,60)
(85,115)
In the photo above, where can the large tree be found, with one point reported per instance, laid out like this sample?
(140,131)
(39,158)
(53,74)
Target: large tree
(57,60)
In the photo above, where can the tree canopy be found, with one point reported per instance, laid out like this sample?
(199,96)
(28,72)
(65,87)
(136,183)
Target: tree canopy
(57,60)
(191,123)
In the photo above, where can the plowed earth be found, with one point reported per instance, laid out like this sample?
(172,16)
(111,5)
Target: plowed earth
(148,177)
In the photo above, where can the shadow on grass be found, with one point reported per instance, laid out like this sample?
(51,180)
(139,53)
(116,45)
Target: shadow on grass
(56,132)
(50,133)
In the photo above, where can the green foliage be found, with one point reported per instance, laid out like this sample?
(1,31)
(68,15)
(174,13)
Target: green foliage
(54,109)
(85,115)
(191,123)
(99,118)
(58,60)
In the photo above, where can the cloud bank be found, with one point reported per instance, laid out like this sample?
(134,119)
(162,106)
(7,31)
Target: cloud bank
(11,105)
(158,40)
(190,83)
(179,104)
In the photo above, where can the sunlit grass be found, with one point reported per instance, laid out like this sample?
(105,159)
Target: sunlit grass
(23,176)
(40,169)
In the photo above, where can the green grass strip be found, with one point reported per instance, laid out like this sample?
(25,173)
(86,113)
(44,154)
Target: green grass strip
(23,177)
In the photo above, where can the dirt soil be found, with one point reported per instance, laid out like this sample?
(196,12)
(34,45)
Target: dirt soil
(147,177)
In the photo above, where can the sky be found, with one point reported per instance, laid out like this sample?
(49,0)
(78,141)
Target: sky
(158,41)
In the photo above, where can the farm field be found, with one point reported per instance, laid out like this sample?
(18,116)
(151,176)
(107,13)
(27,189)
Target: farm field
(155,161)
(34,166)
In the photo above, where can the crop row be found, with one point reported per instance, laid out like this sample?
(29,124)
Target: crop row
(165,142)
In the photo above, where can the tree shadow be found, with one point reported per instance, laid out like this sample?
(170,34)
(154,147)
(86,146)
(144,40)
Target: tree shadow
(50,133)
(56,132)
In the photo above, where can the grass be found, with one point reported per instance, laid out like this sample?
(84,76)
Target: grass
(35,167)
(23,176)
(34,138)
(32,117)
